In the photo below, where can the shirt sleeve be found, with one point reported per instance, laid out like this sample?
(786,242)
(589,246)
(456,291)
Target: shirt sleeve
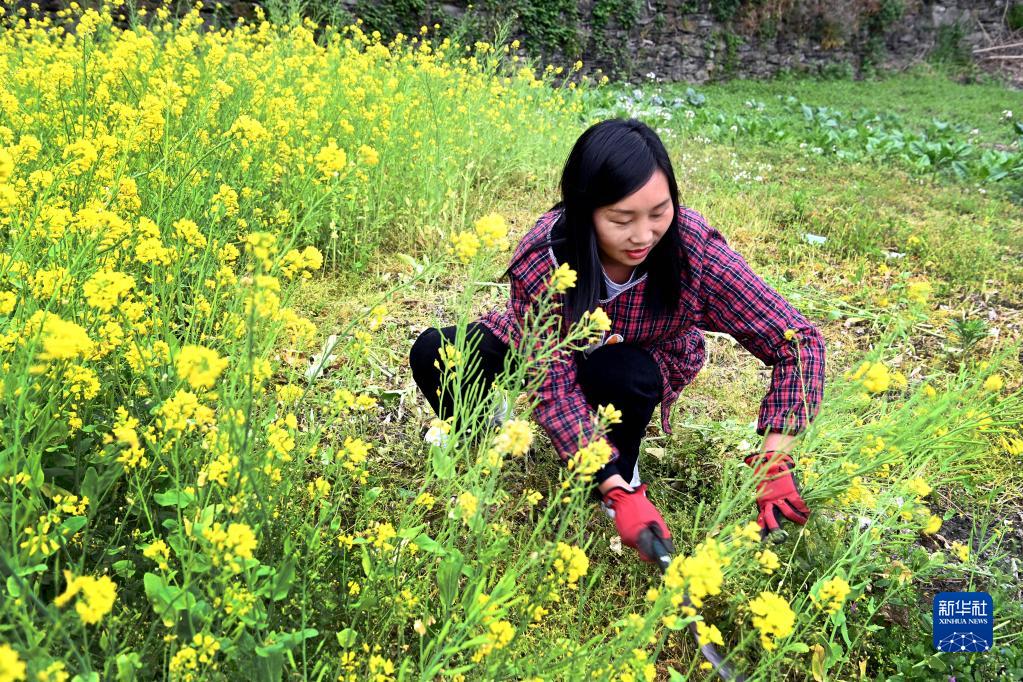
(737,302)
(563,411)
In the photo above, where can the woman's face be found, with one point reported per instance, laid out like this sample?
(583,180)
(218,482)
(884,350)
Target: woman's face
(628,229)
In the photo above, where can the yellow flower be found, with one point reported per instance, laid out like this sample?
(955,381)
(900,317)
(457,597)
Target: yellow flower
(570,563)
(768,561)
(563,278)
(514,439)
(919,487)
(700,573)
(918,292)
(929,391)
(773,617)
(709,634)
(492,231)
(330,160)
(832,594)
(467,506)
(159,552)
(589,459)
(933,524)
(1013,446)
(12,668)
(993,383)
(199,366)
(610,414)
(599,320)
(96,596)
(62,340)
(104,289)
(464,245)
(790,334)
(368,155)
(961,551)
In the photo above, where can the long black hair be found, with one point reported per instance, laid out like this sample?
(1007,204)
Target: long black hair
(610,161)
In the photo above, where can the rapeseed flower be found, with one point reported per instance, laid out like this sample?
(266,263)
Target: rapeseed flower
(1012,446)
(933,525)
(12,668)
(492,229)
(466,506)
(570,563)
(919,487)
(96,596)
(199,366)
(598,320)
(773,617)
(514,438)
(590,458)
(464,245)
(709,634)
(62,340)
(563,278)
(105,288)
(832,594)
(874,376)
(919,292)
(993,383)
(768,560)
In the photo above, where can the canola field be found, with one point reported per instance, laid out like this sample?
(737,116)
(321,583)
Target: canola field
(218,248)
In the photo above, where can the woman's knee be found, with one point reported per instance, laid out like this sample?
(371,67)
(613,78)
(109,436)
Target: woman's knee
(625,369)
(425,350)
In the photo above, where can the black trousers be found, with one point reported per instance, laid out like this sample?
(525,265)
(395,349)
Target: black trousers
(622,374)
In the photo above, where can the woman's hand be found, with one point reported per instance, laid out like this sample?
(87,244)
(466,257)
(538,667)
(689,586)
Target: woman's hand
(633,513)
(777,491)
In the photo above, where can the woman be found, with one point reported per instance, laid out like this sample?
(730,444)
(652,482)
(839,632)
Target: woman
(661,274)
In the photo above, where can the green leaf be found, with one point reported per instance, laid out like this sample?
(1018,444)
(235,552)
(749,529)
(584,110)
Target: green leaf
(90,484)
(443,465)
(347,638)
(12,587)
(798,647)
(675,676)
(73,524)
(428,544)
(447,576)
(174,498)
(124,568)
(282,581)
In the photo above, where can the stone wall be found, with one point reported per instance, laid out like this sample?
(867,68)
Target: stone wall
(691,40)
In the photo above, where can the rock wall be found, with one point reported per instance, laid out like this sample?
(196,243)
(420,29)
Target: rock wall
(692,40)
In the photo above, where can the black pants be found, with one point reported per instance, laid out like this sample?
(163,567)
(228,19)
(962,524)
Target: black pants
(622,374)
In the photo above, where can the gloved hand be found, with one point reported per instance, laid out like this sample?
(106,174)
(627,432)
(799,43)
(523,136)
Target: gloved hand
(776,491)
(633,512)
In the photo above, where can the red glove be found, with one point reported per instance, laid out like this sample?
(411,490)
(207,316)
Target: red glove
(632,513)
(776,490)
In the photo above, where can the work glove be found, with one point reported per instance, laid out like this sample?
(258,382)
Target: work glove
(632,513)
(776,492)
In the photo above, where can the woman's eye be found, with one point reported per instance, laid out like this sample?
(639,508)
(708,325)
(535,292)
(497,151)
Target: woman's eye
(618,223)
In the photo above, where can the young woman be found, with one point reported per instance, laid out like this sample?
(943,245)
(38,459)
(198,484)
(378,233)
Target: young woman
(662,275)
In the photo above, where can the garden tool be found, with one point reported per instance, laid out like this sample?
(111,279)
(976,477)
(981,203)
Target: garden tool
(651,543)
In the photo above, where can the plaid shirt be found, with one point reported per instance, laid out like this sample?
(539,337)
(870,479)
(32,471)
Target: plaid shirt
(723,295)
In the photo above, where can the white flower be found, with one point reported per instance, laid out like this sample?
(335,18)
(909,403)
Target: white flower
(436,436)
(1007,114)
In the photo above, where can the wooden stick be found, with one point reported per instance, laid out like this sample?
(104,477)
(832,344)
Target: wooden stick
(998,56)
(997,47)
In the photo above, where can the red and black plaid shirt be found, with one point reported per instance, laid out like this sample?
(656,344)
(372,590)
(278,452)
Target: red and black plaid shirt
(723,295)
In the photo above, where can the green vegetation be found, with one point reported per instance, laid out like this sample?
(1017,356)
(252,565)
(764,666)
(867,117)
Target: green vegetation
(219,248)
